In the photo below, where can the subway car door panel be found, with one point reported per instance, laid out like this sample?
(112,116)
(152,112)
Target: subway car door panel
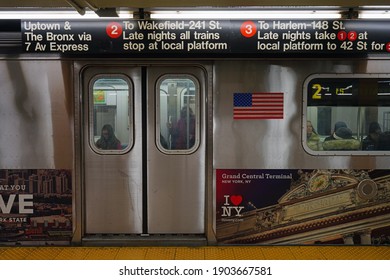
(176,150)
(112,150)
(143,142)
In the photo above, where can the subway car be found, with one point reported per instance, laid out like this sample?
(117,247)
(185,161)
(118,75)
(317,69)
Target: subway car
(177,132)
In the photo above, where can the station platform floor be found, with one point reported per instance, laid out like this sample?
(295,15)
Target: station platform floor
(198,253)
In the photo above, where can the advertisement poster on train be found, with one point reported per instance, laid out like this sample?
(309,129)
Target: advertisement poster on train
(293,206)
(35,207)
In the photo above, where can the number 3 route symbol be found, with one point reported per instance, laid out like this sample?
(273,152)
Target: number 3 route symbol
(114,30)
(248,29)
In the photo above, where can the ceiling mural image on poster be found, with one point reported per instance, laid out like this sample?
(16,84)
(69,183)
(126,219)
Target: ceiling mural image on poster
(35,207)
(303,206)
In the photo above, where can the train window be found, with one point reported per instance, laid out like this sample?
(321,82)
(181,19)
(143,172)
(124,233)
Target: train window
(110,114)
(347,114)
(177,129)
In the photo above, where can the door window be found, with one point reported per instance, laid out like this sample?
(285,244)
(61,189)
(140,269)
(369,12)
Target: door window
(110,114)
(177,114)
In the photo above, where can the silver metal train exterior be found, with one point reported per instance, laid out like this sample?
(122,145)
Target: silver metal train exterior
(148,192)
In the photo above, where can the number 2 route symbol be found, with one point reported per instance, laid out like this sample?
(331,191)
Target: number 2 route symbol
(114,30)
(248,29)
(317,93)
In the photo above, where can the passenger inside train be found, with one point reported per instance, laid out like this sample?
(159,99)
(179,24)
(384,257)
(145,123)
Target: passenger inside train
(313,140)
(343,141)
(108,140)
(336,127)
(371,141)
(183,131)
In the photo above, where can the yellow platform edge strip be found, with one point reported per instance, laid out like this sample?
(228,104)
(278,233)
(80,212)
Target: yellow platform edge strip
(198,253)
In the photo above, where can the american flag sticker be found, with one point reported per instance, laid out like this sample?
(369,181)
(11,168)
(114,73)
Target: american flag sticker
(264,105)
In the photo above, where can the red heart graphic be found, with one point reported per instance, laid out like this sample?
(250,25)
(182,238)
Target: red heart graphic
(236,199)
